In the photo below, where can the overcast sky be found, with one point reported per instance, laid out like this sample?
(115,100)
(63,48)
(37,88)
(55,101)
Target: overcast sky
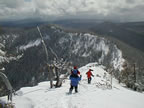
(123,10)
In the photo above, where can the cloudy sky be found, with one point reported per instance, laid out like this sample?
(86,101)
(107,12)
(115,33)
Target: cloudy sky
(123,10)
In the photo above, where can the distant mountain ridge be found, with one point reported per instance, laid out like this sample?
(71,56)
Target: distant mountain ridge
(23,23)
(101,43)
(131,33)
(128,36)
(78,48)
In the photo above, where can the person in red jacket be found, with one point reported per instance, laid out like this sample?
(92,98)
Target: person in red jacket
(89,74)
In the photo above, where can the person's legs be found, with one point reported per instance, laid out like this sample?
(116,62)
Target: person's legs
(89,80)
(76,89)
(71,88)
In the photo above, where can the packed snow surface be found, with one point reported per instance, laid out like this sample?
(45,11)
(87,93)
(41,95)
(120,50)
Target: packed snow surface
(98,94)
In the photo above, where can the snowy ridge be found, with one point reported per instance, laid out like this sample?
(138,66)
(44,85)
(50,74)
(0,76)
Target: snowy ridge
(85,45)
(94,95)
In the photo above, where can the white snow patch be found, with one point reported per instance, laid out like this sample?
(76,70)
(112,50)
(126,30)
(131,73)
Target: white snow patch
(117,59)
(101,46)
(3,59)
(30,44)
(62,40)
(89,43)
(23,102)
(14,58)
(1,46)
(2,53)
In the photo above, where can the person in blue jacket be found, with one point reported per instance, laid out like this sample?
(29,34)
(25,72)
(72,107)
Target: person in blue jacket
(74,83)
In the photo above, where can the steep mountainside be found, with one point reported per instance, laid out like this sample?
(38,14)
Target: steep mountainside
(128,36)
(77,48)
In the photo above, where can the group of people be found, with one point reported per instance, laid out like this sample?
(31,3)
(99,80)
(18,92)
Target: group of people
(75,77)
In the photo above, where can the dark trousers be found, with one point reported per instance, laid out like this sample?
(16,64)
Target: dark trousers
(89,80)
(71,88)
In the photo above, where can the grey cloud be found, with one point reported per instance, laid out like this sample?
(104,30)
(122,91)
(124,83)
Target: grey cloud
(51,9)
(11,3)
(131,1)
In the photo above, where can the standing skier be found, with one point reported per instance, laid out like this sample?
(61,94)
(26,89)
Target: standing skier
(89,74)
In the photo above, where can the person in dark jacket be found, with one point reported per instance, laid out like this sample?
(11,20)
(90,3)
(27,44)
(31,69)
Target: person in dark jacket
(89,74)
(74,83)
(75,72)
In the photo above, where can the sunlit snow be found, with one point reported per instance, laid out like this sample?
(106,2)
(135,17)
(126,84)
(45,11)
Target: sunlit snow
(94,95)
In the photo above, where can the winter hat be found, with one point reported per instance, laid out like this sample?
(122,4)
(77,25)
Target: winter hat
(75,67)
(90,70)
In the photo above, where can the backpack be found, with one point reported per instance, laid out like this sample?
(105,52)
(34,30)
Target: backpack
(75,71)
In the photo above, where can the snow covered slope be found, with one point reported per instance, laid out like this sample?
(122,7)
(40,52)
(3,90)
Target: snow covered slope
(94,95)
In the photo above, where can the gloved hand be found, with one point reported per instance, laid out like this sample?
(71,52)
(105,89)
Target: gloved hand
(80,76)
